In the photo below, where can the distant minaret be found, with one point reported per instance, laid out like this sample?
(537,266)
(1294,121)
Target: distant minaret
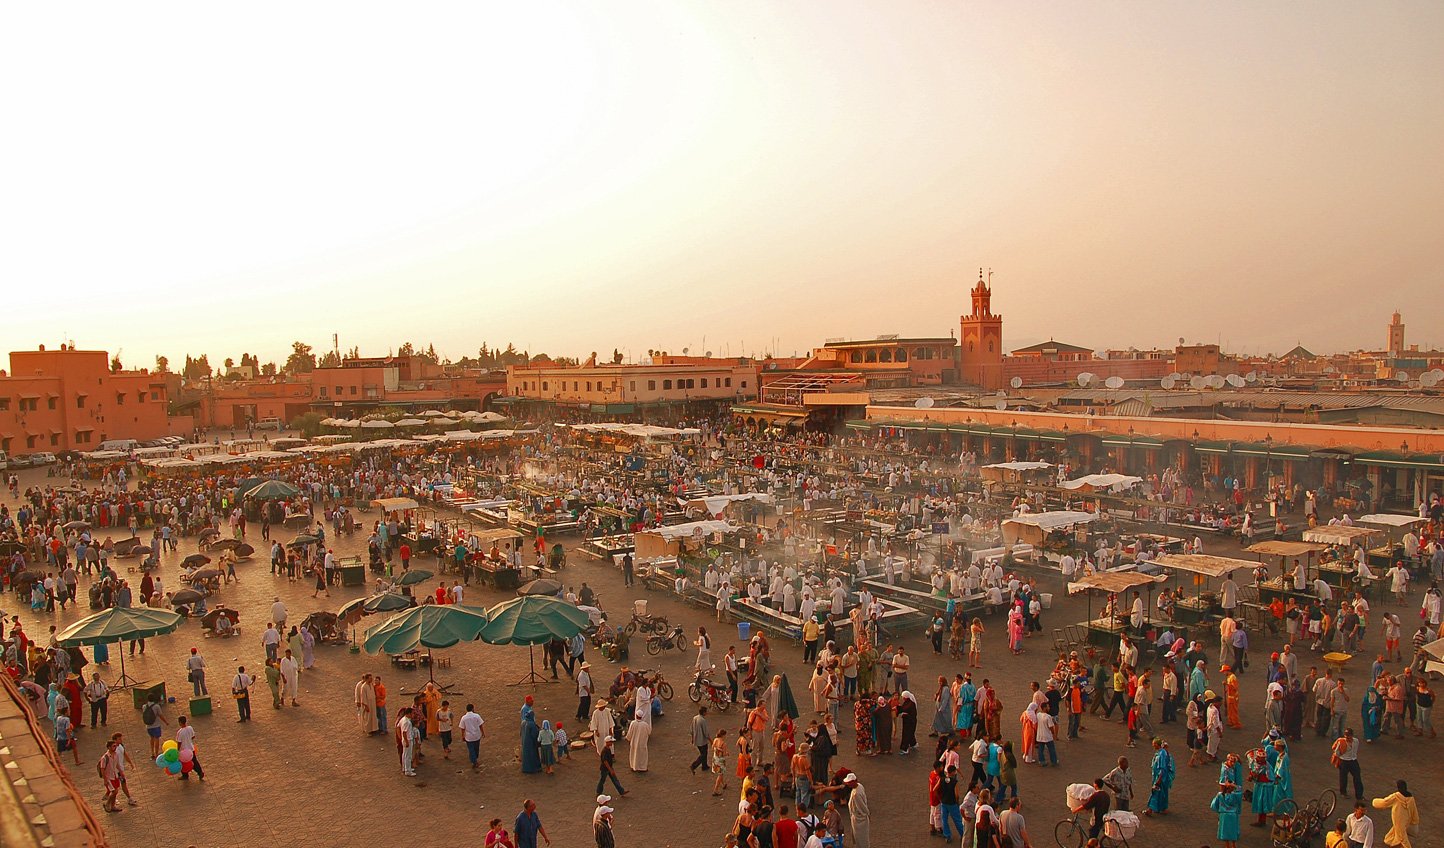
(981,339)
(1396,337)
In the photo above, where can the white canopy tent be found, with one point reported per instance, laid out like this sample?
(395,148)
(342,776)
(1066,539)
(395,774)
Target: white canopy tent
(1110,482)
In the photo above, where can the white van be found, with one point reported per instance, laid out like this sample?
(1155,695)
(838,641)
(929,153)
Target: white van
(122,445)
(269,424)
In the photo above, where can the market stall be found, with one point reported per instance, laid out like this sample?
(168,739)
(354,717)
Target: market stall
(1105,630)
(1203,606)
(1045,529)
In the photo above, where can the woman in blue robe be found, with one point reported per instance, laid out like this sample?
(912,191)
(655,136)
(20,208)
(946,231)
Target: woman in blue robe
(530,753)
(1162,771)
(1372,708)
(943,718)
(1228,803)
(967,699)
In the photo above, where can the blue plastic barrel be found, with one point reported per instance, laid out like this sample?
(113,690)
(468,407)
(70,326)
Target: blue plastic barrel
(744,630)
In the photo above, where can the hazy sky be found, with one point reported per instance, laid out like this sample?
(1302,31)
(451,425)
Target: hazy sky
(581,176)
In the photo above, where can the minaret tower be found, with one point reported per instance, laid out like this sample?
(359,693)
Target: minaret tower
(982,339)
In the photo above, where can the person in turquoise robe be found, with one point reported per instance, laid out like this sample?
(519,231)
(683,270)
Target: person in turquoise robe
(967,700)
(1282,774)
(530,733)
(1373,710)
(943,718)
(1162,772)
(1228,803)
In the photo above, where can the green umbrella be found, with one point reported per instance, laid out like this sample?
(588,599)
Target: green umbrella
(532,620)
(273,490)
(427,626)
(387,602)
(413,576)
(117,624)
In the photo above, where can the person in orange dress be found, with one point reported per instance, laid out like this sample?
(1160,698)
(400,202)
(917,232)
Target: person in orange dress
(1230,691)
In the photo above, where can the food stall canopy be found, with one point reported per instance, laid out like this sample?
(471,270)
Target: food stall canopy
(1110,581)
(1211,566)
(1278,547)
(714,504)
(1390,520)
(645,431)
(1094,482)
(672,532)
(1020,466)
(496,534)
(1053,520)
(1339,534)
(395,504)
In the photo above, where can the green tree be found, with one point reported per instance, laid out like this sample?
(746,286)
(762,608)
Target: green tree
(230,363)
(308,423)
(269,369)
(331,359)
(162,365)
(115,365)
(301,360)
(406,349)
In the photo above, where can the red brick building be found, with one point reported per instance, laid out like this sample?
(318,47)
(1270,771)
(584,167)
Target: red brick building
(67,399)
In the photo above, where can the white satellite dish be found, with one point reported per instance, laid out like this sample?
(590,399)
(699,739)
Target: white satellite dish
(1429,379)
(1234,380)
(1016,382)
(1195,382)
(1002,393)
(923,403)
(1168,382)
(1328,369)
(1085,378)
(1001,405)
(1438,373)
(1251,377)
(1215,381)
(1114,382)
(1402,376)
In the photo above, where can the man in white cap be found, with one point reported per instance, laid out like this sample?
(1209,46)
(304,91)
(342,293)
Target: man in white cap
(602,822)
(858,812)
(607,766)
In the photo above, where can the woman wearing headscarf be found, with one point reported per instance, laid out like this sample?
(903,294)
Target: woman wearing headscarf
(907,711)
(546,740)
(967,702)
(1029,721)
(1403,814)
(943,716)
(1230,697)
(1373,712)
(530,756)
(882,725)
(1161,769)
(308,648)
(53,700)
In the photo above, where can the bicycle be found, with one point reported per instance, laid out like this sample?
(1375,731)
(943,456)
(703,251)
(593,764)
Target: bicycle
(647,624)
(1294,827)
(1072,833)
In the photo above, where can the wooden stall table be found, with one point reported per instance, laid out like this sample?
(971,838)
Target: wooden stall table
(1195,610)
(1115,583)
(1337,574)
(1286,551)
(1105,632)
(1283,589)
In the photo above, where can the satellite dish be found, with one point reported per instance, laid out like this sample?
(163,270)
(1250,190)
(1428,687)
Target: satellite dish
(1438,373)
(1001,393)
(1016,382)
(1085,378)
(1402,376)
(1328,369)
(1114,382)
(1251,376)
(1216,382)
(1168,382)
(1001,405)
(1195,382)
(684,350)
(1429,379)
(1234,380)
(1416,384)
(709,354)
(923,403)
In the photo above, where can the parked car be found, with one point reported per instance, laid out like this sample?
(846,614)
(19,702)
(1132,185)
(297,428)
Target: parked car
(269,424)
(42,458)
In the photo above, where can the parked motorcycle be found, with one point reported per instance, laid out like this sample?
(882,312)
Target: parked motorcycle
(676,639)
(717,695)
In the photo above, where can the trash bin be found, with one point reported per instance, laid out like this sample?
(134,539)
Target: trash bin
(639,606)
(744,630)
(1047,599)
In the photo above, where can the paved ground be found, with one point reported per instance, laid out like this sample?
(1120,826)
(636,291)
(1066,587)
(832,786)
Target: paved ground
(307,776)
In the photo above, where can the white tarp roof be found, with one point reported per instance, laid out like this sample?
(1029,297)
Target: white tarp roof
(1390,520)
(1054,520)
(645,431)
(1112,482)
(716,503)
(394,504)
(670,532)
(1338,534)
(1020,466)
